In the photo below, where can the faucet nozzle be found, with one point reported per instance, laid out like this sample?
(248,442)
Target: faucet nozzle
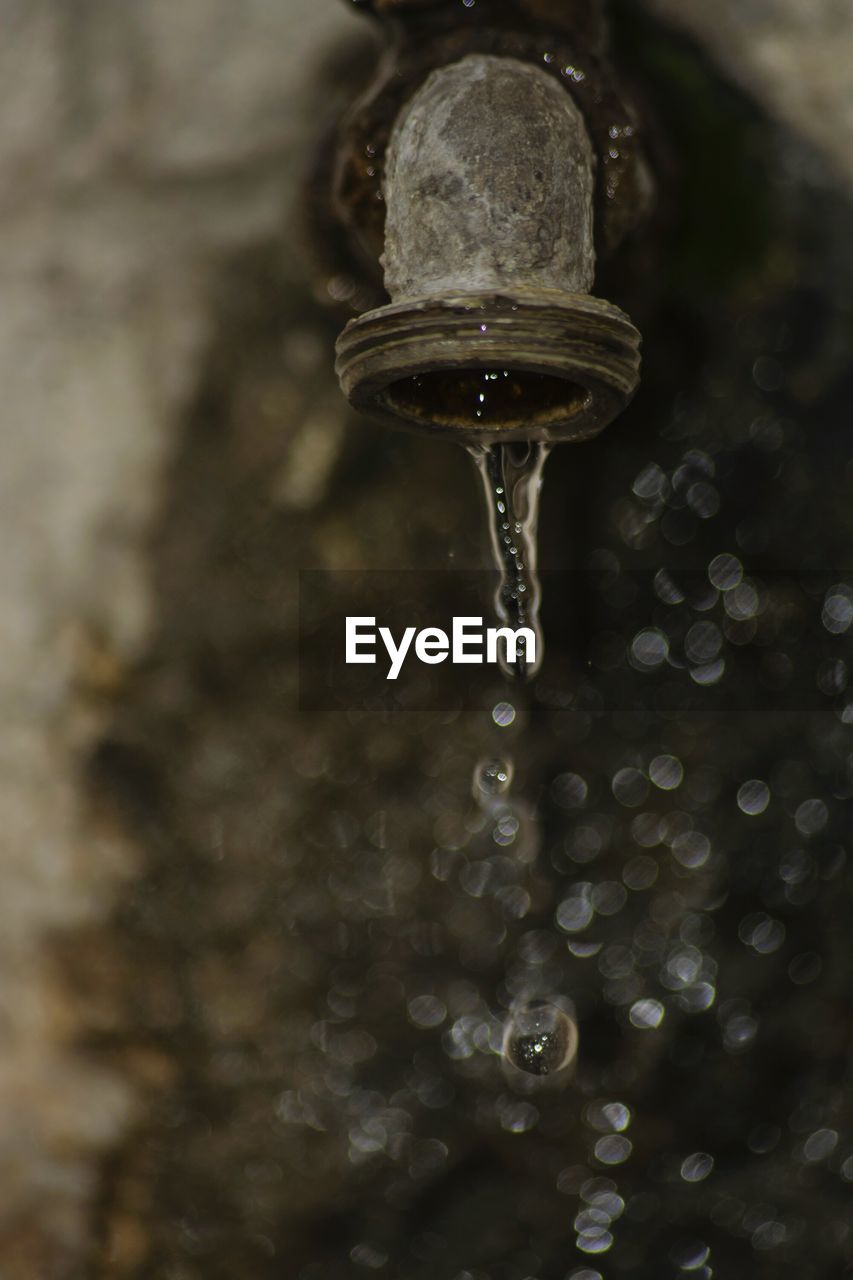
(489,257)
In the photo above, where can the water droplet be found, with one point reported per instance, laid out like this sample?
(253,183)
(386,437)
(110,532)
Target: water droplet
(703,643)
(819,1145)
(614,1149)
(630,787)
(518,1117)
(691,1255)
(651,483)
(503,714)
(646,1015)
(811,817)
(576,912)
(492,778)
(649,649)
(761,932)
(427,1011)
(608,1117)
(753,797)
(704,499)
(609,897)
(740,1032)
(595,1240)
(569,791)
(666,772)
(742,602)
(725,572)
(540,1040)
(769,1235)
(695,1168)
(583,950)
(763,1138)
(804,968)
(365,1255)
(692,849)
(667,590)
(838,609)
(640,873)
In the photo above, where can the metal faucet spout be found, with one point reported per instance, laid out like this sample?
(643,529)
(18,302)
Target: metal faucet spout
(492,332)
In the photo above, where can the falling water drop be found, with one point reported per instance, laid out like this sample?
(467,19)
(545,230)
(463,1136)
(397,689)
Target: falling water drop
(503,714)
(492,778)
(512,480)
(540,1040)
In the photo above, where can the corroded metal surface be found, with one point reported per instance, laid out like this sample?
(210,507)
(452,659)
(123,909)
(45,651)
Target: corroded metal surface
(488,185)
(489,260)
(567,42)
(584,350)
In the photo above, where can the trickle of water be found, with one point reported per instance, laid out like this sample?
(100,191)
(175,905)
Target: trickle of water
(540,1040)
(512,480)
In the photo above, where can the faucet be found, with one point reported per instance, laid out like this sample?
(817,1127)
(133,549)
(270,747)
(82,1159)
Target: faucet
(488,167)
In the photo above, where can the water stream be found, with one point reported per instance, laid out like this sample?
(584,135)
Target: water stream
(511,475)
(540,1038)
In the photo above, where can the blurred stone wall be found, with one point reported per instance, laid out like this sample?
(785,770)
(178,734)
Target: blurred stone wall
(141,146)
(793,57)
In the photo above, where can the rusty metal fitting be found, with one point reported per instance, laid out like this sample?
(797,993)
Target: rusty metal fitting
(489,182)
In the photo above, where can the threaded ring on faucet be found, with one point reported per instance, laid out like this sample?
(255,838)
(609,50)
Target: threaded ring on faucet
(534,364)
